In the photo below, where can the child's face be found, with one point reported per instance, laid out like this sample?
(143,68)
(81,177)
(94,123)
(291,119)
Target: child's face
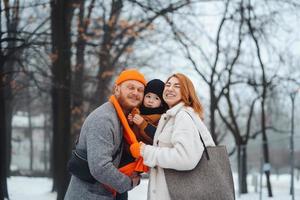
(151,100)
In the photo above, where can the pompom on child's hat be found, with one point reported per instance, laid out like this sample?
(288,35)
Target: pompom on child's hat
(130,74)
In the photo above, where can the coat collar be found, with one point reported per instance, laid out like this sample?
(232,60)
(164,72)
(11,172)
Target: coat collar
(174,110)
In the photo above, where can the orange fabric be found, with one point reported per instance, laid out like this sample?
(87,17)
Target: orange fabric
(138,166)
(135,111)
(128,133)
(130,138)
(131,74)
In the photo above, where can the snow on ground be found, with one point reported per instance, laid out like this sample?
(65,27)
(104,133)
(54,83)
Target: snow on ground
(21,188)
(25,188)
(139,192)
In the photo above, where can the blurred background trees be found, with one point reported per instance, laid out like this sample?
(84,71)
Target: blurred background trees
(58,60)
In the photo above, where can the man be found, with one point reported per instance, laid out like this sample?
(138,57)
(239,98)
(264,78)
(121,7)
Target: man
(101,136)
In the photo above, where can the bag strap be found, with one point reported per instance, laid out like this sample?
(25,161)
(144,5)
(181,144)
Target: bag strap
(205,149)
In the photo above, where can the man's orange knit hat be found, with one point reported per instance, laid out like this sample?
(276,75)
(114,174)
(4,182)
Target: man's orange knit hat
(131,74)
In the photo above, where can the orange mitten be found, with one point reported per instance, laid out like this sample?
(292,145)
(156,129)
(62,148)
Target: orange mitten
(135,150)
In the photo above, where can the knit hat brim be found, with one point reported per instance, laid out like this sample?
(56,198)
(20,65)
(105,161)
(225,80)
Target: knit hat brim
(131,74)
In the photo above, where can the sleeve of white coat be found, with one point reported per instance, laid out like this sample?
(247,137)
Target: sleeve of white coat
(186,151)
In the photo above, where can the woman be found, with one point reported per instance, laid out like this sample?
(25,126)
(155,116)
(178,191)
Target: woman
(177,144)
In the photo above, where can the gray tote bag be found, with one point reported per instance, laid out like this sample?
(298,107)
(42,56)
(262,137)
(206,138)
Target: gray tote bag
(211,179)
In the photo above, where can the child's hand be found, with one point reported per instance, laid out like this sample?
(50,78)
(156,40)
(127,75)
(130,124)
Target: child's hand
(138,119)
(130,119)
(135,111)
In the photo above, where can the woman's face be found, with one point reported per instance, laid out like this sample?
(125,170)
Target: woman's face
(172,94)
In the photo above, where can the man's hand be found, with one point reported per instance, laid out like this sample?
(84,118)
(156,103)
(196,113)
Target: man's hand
(138,119)
(136,179)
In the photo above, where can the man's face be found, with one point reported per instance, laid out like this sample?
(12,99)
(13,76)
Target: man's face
(130,94)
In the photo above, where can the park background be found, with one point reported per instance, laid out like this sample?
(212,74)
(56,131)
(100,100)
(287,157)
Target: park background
(59,58)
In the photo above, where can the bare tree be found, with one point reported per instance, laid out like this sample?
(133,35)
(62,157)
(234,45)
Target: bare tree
(119,34)
(61,15)
(9,46)
(78,74)
(240,134)
(12,21)
(3,132)
(265,86)
(213,77)
(107,31)
(234,30)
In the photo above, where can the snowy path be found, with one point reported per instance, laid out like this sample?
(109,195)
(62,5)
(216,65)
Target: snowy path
(24,188)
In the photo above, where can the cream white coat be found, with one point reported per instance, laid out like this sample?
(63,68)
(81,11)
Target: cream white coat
(176,145)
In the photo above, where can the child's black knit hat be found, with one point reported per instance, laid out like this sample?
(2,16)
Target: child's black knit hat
(155,86)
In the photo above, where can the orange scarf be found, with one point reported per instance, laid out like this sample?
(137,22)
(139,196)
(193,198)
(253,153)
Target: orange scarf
(137,165)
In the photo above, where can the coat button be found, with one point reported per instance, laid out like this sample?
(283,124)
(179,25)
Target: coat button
(165,118)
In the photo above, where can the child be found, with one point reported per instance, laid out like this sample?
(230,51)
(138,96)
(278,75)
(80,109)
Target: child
(145,120)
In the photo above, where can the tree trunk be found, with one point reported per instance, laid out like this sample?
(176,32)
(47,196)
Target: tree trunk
(12,14)
(61,14)
(263,117)
(9,65)
(46,141)
(106,67)
(213,107)
(78,80)
(265,147)
(3,133)
(30,132)
(103,79)
(3,130)
(102,89)
(238,146)
(8,118)
(242,169)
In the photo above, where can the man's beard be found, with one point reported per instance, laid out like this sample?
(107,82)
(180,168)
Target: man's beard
(123,103)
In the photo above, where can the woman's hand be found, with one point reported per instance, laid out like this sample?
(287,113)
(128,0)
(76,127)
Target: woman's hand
(138,119)
(136,149)
(142,146)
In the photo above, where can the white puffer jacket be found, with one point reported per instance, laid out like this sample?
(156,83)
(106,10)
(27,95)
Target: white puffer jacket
(176,145)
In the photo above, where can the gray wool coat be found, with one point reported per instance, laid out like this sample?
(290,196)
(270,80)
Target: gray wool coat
(101,135)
